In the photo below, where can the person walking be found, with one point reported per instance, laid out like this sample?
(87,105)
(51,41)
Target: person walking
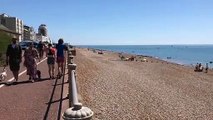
(50,53)
(30,56)
(14,57)
(40,50)
(61,48)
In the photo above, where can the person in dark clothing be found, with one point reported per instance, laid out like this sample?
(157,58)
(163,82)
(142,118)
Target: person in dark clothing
(14,57)
(40,50)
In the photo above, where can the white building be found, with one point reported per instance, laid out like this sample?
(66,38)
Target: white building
(42,30)
(42,34)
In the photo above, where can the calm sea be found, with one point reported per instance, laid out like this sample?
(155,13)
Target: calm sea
(181,54)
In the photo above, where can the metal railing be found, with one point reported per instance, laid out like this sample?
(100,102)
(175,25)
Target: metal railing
(75,111)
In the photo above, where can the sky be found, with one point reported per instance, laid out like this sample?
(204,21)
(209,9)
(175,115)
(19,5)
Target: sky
(118,22)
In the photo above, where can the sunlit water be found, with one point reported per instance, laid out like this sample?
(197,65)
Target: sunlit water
(181,54)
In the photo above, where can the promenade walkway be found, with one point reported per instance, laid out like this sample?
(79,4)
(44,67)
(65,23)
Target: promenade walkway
(42,100)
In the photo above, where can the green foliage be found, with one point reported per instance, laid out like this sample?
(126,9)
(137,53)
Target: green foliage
(4,41)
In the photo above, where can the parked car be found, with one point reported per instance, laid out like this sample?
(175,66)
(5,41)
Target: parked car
(25,44)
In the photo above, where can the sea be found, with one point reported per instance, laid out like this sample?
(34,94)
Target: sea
(188,55)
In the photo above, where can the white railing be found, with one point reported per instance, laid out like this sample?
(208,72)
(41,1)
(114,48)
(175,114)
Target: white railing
(75,111)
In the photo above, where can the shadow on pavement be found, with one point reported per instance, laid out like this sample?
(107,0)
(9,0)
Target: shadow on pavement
(18,82)
(61,84)
(49,105)
(59,100)
(42,79)
(23,81)
(3,82)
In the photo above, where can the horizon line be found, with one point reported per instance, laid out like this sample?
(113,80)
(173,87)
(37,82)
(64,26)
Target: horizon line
(137,44)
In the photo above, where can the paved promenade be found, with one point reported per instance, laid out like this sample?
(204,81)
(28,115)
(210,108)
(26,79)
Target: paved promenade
(44,99)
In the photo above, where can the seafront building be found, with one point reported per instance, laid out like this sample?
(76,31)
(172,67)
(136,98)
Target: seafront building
(29,33)
(13,24)
(9,32)
(43,34)
(42,30)
(21,31)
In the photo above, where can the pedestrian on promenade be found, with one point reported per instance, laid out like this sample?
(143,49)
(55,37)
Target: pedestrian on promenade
(30,56)
(40,50)
(14,57)
(61,48)
(50,53)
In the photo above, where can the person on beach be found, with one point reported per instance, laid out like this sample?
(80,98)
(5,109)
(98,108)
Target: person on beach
(14,57)
(50,53)
(207,67)
(30,56)
(200,67)
(40,50)
(61,48)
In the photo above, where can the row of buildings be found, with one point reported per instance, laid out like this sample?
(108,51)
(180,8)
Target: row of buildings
(16,27)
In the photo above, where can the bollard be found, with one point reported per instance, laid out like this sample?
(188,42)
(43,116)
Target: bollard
(76,110)
(73,52)
(71,67)
(84,113)
(74,89)
(69,52)
(69,95)
(70,59)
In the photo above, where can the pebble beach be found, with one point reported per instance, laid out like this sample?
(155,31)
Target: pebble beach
(116,89)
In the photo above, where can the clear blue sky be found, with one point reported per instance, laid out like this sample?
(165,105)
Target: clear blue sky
(115,22)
